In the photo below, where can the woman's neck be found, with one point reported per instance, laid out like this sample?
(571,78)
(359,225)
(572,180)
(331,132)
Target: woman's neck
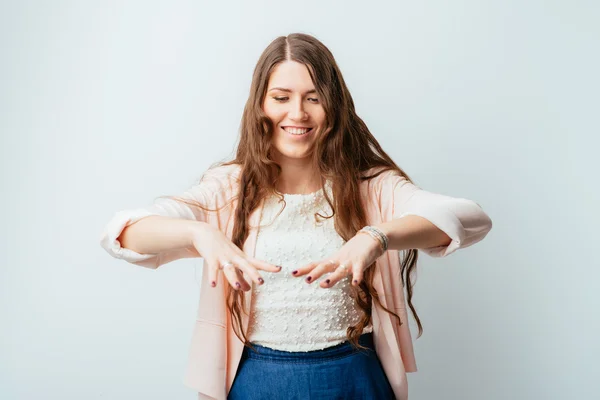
(298,178)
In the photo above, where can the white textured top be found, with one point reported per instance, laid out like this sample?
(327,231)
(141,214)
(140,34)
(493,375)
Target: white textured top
(287,313)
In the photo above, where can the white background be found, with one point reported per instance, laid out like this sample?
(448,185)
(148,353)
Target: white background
(106,105)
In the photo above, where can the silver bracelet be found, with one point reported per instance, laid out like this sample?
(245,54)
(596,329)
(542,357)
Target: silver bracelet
(377,234)
(382,235)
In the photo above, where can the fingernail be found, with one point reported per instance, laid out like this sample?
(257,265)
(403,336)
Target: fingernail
(261,280)
(213,283)
(355,281)
(308,279)
(279,266)
(294,272)
(327,281)
(237,284)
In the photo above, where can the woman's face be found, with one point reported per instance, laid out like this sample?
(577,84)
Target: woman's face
(294,107)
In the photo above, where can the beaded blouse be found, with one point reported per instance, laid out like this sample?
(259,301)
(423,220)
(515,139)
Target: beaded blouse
(288,313)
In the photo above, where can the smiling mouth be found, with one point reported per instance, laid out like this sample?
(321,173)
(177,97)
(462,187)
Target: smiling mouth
(297,131)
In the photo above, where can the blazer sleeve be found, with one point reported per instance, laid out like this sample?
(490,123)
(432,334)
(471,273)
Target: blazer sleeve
(200,192)
(463,220)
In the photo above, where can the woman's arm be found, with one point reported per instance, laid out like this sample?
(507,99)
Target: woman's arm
(436,224)
(156,234)
(160,233)
(413,232)
(152,236)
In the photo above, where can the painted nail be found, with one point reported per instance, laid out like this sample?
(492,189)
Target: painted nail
(261,280)
(308,279)
(294,272)
(237,284)
(213,283)
(279,266)
(355,282)
(327,281)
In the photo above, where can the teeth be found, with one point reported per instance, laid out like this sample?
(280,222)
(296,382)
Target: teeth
(296,131)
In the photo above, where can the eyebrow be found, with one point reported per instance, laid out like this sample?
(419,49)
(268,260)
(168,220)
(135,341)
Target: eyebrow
(290,91)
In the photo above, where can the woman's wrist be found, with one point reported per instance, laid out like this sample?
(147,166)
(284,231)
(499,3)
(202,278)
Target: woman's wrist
(197,230)
(378,235)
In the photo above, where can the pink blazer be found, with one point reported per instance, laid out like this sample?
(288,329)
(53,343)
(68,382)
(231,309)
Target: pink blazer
(215,351)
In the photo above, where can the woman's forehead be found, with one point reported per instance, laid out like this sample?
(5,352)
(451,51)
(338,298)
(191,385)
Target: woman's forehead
(291,76)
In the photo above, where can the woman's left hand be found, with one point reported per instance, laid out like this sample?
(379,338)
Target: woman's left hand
(356,255)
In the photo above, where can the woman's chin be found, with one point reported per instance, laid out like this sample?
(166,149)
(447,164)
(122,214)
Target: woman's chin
(295,154)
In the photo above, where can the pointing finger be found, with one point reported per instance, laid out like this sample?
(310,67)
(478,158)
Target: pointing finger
(305,268)
(213,270)
(263,265)
(357,275)
(340,272)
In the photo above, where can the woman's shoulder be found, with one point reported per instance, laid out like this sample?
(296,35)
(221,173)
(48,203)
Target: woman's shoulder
(219,181)
(381,182)
(222,172)
(378,175)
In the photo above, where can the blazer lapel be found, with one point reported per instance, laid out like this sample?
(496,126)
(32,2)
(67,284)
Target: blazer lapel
(235,346)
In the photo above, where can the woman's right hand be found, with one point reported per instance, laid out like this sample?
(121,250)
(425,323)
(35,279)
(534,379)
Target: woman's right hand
(217,250)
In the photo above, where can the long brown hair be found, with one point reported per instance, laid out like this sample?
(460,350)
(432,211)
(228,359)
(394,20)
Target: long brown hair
(344,150)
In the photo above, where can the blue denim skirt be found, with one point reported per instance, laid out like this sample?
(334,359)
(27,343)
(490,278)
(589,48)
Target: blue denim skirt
(337,372)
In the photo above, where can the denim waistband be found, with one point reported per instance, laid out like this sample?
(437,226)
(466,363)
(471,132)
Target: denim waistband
(340,350)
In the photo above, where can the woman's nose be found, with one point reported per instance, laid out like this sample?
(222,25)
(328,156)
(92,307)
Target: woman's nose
(297,112)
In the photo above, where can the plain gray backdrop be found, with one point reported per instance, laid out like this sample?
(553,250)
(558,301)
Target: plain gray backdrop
(106,105)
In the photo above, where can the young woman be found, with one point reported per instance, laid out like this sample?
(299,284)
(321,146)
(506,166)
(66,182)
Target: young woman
(309,237)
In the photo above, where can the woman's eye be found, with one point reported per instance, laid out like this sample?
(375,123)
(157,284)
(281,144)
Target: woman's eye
(280,99)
